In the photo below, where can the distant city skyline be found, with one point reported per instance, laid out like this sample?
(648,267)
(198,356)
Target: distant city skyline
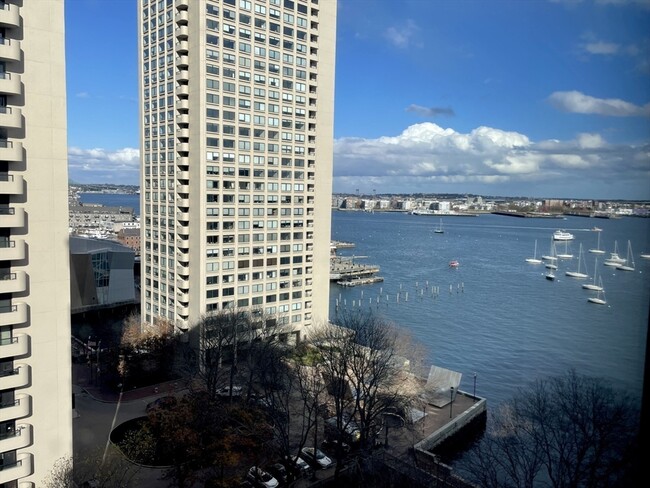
(547,98)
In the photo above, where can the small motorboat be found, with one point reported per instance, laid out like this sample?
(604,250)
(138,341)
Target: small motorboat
(454,264)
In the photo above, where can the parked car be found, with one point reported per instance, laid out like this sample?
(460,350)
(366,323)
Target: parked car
(316,457)
(225,391)
(279,472)
(164,403)
(259,477)
(297,466)
(331,446)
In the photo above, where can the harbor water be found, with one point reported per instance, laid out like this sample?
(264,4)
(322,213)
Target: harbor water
(495,314)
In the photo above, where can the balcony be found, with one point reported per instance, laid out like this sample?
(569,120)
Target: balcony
(183,243)
(9,49)
(182,17)
(182,61)
(15,378)
(11,150)
(14,346)
(183,133)
(11,117)
(17,409)
(183,104)
(182,296)
(182,270)
(12,217)
(182,32)
(13,314)
(10,82)
(24,465)
(20,437)
(182,4)
(182,283)
(14,282)
(183,75)
(183,91)
(12,250)
(11,184)
(183,119)
(9,16)
(183,202)
(183,175)
(182,47)
(182,310)
(185,189)
(183,161)
(183,147)
(183,216)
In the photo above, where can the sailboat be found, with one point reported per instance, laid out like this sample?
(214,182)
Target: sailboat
(629,260)
(598,250)
(566,254)
(593,286)
(578,274)
(552,256)
(534,259)
(600,297)
(614,259)
(439,229)
(550,275)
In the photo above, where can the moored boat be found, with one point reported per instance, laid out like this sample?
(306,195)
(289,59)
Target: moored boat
(562,235)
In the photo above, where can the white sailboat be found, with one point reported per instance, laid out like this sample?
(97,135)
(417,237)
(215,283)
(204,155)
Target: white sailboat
(439,229)
(598,250)
(599,299)
(593,286)
(629,260)
(550,275)
(534,259)
(552,256)
(614,259)
(578,274)
(565,254)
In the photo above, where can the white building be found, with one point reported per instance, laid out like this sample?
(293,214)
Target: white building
(237,101)
(35,370)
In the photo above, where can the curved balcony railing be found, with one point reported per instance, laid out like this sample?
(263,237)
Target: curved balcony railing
(10,117)
(17,409)
(13,314)
(21,468)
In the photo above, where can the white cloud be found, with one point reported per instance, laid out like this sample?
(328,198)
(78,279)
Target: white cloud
(402,36)
(601,47)
(427,157)
(429,111)
(99,165)
(577,102)
(83,95)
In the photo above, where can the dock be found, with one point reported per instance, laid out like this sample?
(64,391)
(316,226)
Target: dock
(360,281)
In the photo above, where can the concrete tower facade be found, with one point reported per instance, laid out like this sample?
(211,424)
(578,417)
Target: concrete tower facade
(237,101)
(35,374)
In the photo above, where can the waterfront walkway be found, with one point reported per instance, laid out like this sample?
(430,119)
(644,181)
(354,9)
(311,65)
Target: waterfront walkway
(98,411)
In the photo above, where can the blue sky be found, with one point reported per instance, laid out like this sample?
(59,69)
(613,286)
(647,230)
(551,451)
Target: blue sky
(543,98)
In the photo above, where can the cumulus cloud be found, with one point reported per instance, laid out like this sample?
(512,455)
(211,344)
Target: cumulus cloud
(430,111)
(99,165)
(577,102)
(402,36)
(427,156)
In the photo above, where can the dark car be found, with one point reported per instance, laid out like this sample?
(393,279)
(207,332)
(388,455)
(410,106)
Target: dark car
(297,467)
(164,403)
(331,446)
(279,472)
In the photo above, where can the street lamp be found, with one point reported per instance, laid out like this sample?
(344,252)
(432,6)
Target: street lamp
(451,403)
(475,386)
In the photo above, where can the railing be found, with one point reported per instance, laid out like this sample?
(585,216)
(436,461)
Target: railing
(8,340)
(7,210)
(6,245)
(9,372)
(8,309)
(8,277)
(15,403)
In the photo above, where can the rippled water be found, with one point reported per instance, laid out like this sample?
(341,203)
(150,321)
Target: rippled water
(502,319)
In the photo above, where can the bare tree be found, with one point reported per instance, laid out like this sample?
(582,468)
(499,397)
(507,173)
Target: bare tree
(103,470)
(364,372)
(568,431)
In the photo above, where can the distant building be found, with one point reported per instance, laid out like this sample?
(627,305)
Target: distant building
(98,216)
(130,237)
(101,274)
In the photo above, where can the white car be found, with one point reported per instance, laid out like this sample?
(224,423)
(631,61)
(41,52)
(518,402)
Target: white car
(259,477)
(316,457)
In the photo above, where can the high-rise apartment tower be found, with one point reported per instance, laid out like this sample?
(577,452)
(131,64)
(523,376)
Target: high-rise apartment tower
(237,101)
(35,382)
